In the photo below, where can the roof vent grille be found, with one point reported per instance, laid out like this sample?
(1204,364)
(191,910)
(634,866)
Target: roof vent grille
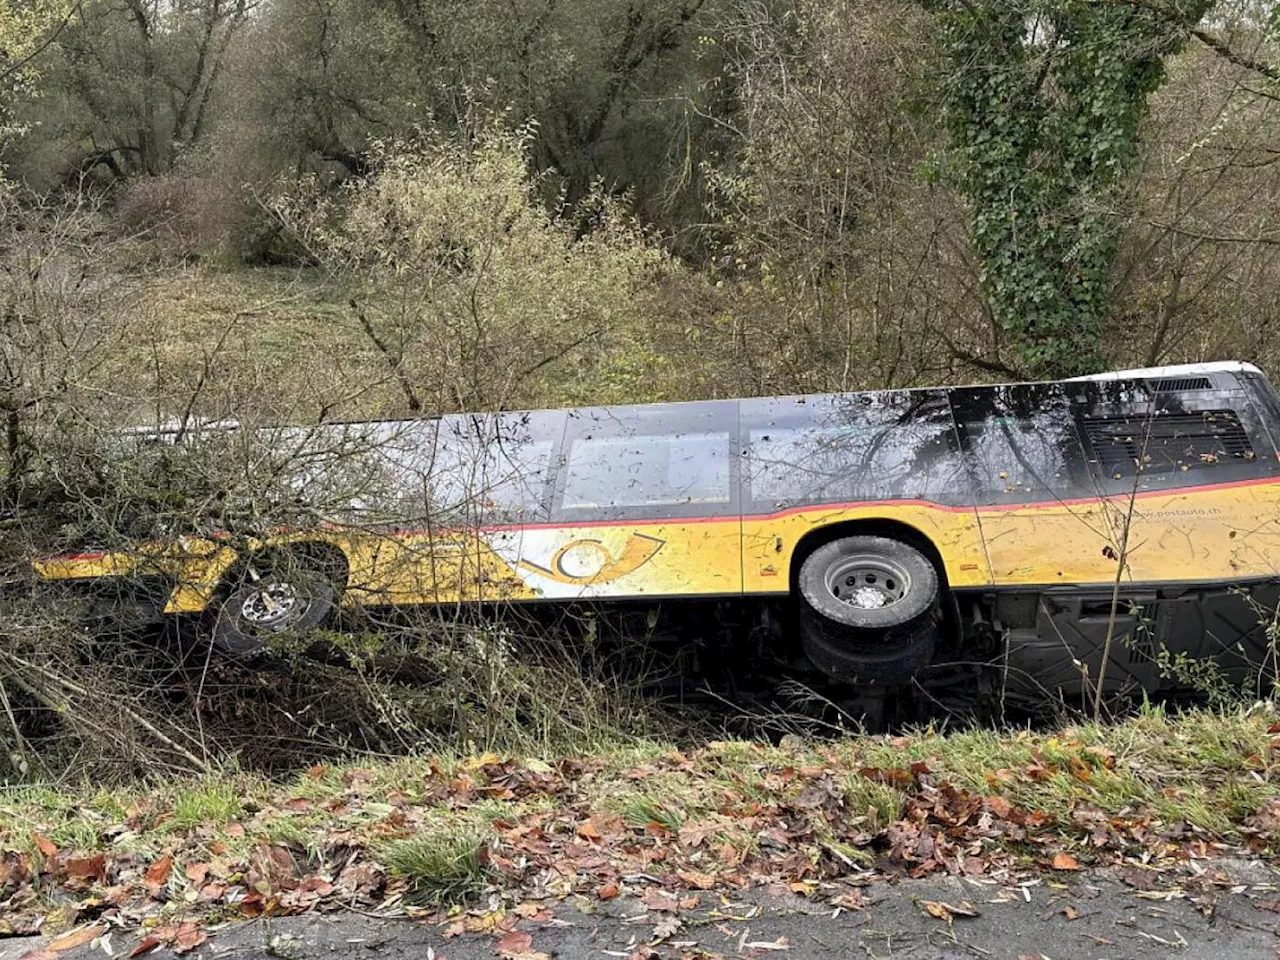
(1179,384)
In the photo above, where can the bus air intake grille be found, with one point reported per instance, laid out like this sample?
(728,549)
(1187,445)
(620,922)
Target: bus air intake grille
(1167,443)
(1179,384)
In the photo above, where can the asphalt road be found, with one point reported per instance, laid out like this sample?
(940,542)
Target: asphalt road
(1229,914)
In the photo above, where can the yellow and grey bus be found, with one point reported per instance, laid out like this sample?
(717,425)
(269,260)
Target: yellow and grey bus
(890,532)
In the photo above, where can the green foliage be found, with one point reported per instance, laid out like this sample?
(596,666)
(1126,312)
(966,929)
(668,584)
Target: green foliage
(1044,100)
(473,293)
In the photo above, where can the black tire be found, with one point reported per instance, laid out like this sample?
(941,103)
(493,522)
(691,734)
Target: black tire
(869,609)
(288,596)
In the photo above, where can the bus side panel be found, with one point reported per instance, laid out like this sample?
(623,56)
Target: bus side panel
(1208,534)
(676,558)
(769,543)
(1054,544)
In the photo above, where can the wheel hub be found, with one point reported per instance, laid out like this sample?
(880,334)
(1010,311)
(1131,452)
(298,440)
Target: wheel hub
(274,605)
(868,598)
(868,582)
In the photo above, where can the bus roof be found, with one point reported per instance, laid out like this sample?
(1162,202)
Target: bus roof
(1174,370)
(197,425)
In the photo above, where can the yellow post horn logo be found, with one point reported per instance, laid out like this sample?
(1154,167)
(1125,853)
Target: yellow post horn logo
(588,561)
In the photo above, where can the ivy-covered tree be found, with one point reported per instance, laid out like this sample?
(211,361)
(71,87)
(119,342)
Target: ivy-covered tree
(1043,100)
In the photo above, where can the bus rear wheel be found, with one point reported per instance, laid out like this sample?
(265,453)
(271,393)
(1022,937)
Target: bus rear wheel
(273,596)
(869,609)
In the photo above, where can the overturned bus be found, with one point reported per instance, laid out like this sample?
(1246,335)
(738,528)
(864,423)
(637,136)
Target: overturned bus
(1022,532)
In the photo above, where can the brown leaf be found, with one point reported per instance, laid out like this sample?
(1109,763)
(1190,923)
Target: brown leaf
(902,779)
(660,902)
(87,868)
(937,909)
(1070,912)
(150,943)
(146,945)
(948,911)
(695,834)
(45,845)
(666,927)
(1001,807)
(608,891)
(39,955)
(189,936)
(698,879)
(196,871)
(515,944)
(157,874)
(1065,861)
(77,938)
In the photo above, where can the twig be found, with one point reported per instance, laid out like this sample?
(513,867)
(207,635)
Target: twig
(133,715)
(1122,561)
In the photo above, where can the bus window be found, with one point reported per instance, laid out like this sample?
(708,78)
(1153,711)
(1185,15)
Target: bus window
(1020,442)
(643,471)
(493,469)
(669,461)
(840,449)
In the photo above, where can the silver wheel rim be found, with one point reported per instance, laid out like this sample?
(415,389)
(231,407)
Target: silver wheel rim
(868,581)
(274,605)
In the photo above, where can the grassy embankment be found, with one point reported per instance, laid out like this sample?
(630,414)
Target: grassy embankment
(1150,794)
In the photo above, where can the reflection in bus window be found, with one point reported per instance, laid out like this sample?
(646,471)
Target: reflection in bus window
(647,471)
(860,447)
(848,463)
(1021,442)
(487,470)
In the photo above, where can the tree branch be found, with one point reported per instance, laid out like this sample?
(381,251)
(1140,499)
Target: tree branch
(1231,55)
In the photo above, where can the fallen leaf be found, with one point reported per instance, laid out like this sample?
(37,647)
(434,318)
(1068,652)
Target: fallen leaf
(157,874)
(695,878)
(189,936)
(666,927)
(150,943)
(608,891)
(515,944)
(45,845)
(1065,861)
(937,909)
(87,868)
(1001,807)
(660,902)
(1070,912)
(77,938)
(948,911)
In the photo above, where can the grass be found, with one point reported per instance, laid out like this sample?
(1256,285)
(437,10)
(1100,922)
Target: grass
(437,827)
(443,864)
(209,804)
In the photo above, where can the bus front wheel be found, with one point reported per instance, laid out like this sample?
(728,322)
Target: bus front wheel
(273,596)
(869,609)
